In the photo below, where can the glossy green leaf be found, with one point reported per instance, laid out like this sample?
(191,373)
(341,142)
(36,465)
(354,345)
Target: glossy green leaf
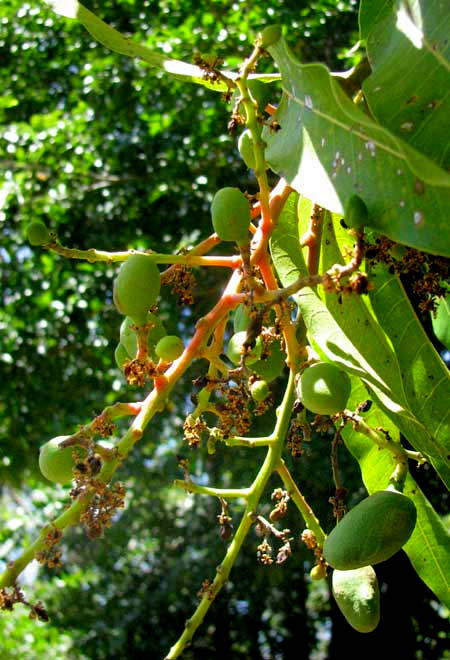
(426,378)
(370,13)
(329,150)
(428,546)
(407,92)
(114,40)
(351,313)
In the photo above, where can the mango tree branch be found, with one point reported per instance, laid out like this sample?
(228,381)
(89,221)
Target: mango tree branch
(255,492)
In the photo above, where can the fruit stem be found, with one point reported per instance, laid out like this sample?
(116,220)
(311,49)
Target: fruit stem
(302,505)
(225,493)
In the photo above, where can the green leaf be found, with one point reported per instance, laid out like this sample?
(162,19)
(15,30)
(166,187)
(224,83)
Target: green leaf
(348,335)
(329,150)
(408,89)
(114,40)
(441,321)
(8,101)
(428,547)
(370,13)
(426,379)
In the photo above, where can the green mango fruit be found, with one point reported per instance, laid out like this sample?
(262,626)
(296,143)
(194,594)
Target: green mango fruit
(38,234)
(318,572)
(230,212)
(273,365)
(259,390)
(245,146)
(121,355)
(128,337)
(270,35)
(324,388)
(371,532)
(136,287)
(56,464)
(235,346)
(358,597)
(169,348)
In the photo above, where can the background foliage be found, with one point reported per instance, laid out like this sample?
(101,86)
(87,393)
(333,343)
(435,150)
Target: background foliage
(111,155)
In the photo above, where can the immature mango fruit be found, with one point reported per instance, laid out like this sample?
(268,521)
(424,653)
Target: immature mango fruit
(324,389)
(318,572)
(121,355)
(371,532)
(38,234)
(235,346)
(245,146)
(270,35)
(56,464)
(169,348)
(259,390)
(355,213)
(273,365)
(230,212)
(358,597)
(128,337)
(136,287)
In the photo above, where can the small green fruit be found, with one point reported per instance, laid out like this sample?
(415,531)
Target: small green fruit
(245,146)
(169,348)
(235,348)
(318,572)
(270,35)
(259,390)
(324,389)
(128,337)
(136,287)
(371,532)
(273,365)
(230,212)
(38,234)
(441,322)
(358,597)
(121,355)
(356,213)
(56,464)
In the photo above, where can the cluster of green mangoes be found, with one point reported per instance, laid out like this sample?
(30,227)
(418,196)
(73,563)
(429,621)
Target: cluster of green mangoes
(371,532)
(160,345)
(265,367)
(136,289)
